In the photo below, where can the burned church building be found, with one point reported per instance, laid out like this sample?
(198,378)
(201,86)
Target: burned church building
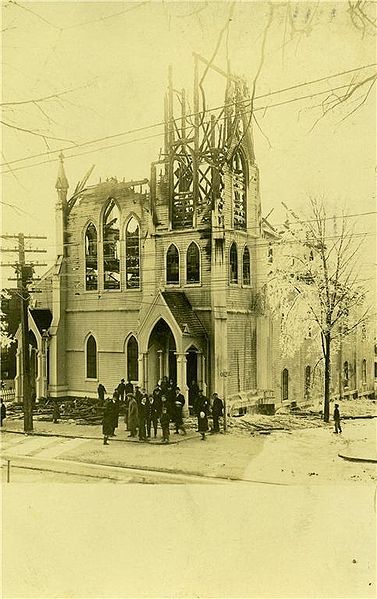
(162,276)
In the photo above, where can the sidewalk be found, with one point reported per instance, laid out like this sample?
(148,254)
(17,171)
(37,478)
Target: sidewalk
(87,431)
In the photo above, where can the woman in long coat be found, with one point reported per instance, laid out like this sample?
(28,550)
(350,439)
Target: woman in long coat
(203,411)
(108,421)
(133,416)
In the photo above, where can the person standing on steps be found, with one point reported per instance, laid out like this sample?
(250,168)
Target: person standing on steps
(121,388)
(101,392)
(129,387)
(338,428)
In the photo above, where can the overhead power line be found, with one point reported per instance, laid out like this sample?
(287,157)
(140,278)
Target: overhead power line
(209,110)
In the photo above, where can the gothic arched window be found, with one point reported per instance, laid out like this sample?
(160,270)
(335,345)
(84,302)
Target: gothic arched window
(172,265)
(239,190)
(308,374)
(91,358)
(233,263)
(183,195)
(110,235)
(284,384)
(192,264)
(246,275)
(132,254)
(91,261)
(346,374)
(132,359)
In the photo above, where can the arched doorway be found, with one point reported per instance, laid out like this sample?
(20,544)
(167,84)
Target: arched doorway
(162,359)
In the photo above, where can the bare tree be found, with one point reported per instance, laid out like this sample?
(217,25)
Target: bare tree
(314,285)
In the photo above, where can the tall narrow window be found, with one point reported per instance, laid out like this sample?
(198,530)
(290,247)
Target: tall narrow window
(246,276)
(307,381)
(132,254)
(270,254)
(183,195)
(91,358)
(111,271)
(233,260)
(91,263)
(364,372)
(192,264)
(239,190)
(172,266)
(346,374)
(284,384)
(132,359)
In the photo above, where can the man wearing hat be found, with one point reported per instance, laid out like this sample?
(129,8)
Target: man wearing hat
(179,402)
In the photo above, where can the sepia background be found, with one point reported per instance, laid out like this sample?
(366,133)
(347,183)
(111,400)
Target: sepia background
(103,67)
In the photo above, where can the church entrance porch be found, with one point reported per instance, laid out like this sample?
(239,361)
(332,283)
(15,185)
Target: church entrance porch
(172,343)
(162,359)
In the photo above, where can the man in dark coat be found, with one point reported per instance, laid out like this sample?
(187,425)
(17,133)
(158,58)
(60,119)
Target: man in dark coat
(164,385)
(129,387)
(217,411)
(3,413)
(108,421)
(116,409)
(155,406)
(338,428)
(121,388)
(164,421)
(133,415)
(101,392)
(202,412)
(193,394)
(179,402)
(143,413)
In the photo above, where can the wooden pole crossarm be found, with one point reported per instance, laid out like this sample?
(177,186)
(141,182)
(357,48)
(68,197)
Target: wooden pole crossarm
(215,68)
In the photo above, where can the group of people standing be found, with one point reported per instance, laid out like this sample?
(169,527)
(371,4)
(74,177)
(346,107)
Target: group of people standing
(144,412)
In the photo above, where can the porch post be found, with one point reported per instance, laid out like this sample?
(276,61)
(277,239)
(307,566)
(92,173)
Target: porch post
(160,364)
(182,378)
(140,369)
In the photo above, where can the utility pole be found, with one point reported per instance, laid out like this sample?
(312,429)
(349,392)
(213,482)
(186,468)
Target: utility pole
(24,273)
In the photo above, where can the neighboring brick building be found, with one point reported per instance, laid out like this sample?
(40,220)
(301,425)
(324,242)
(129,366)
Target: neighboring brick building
(163,276)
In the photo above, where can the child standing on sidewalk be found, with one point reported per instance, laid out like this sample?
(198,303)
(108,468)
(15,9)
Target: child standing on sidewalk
(165,420)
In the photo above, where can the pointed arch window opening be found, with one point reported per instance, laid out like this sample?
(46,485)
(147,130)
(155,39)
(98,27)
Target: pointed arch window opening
(284,384)
(233,264)
(111,262)
(132,254)
(172,266)
(91,358)
(364,372)
(346,373)
(239,191)
(132,359)
(193,264)
(246,271)
(182,192)
(91,258)
(308,374)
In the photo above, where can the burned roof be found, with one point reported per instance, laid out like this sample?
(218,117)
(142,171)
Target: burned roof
(183,313)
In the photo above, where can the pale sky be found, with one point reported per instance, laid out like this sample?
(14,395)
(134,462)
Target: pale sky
(118,54)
